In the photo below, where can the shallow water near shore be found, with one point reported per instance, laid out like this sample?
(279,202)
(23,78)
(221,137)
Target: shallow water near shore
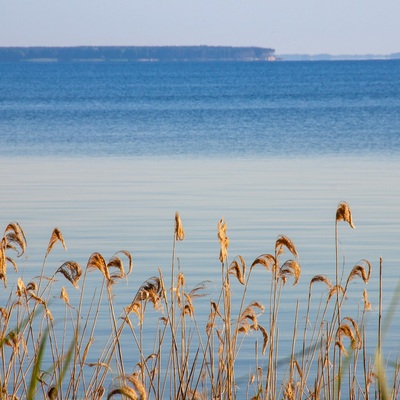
(106,205)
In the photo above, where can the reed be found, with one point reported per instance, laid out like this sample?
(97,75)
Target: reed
(43,355)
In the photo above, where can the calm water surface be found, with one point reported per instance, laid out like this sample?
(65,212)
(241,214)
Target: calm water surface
(200,109)
(108,153)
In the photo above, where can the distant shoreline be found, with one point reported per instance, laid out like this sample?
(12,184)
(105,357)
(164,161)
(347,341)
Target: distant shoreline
(343,57)
(135,54)
(76,54)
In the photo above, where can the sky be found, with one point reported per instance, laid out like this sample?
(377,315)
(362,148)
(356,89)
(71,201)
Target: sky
(288,26)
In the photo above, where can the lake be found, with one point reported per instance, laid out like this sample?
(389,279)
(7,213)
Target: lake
(108,152)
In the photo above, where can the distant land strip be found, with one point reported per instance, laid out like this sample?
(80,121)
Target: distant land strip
(135,54)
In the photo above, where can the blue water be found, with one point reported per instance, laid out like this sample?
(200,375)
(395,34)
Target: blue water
(200,109)
(109,152)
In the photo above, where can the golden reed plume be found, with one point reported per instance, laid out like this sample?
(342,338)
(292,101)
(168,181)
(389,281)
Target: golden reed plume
(55,237)
(179,232)
(343,213)
(223,240)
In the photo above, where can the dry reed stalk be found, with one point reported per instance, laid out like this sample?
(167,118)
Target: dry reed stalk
(226,358)
(380,307)
(358,270)
(238,269)
(97,261)
(290,389)
(54,238)
(179,235)
(72,272)
(80,328)
(279,276)
(343,213)
(312,347)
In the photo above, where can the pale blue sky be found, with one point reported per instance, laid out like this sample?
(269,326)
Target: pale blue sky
(289,26)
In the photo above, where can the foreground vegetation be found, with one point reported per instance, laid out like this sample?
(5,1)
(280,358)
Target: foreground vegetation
(43,355)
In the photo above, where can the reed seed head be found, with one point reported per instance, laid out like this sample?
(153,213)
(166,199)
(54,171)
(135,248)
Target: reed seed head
(334,290)
(97,261)
(210,324)
(136,308)
(21,289)
(284,241)
(118,265)
(358,341)
(289,391)
(180,281)
(252,379)
(321,278)
(367,304)
(343,213)
(341,347)
(32,286)
(198,290)
(64,296)
(265,338)
(344,329)
(138,386)
(179,232)
(55,237)
(248,319)
(238,269)
(15,237)
(152,290)
(189,307)
(223,240)
(4,314)
(124,391)
(290,268)
(266,260)
(359,271)
(13,339)
(72,271)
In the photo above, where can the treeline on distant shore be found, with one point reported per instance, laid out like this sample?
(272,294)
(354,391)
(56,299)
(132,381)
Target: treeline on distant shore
(135,53)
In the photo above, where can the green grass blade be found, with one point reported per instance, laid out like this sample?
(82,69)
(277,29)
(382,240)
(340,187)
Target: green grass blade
(36,368)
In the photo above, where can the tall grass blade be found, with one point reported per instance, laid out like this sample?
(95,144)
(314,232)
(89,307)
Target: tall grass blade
(36,368)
